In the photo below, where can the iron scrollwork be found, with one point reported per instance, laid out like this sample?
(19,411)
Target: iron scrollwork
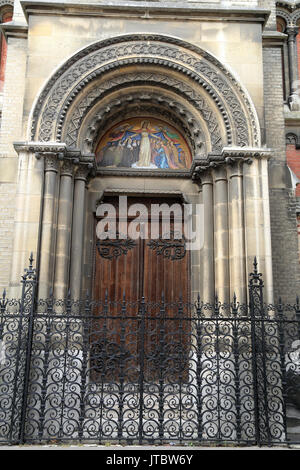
(111,248)
(171,245)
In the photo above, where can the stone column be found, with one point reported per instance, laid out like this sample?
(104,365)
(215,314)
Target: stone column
(49,221)
(237,261)
(257,220)
(28,213)
(78,231)
(294,99)
(207,253)
(221,247)
(268,275)
(64,225)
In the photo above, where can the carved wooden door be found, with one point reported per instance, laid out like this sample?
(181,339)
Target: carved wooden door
(143,266)
(156,269)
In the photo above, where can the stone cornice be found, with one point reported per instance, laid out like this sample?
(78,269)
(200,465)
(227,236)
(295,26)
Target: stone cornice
(41,147)
(147,10)
(245,152)
(58,150)
(273,38)
(228,156)
(14,30)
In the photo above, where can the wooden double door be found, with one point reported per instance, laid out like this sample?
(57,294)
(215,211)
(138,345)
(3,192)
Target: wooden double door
(141,265)
(128,342)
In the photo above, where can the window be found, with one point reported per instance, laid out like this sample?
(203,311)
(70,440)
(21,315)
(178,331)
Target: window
(6,14)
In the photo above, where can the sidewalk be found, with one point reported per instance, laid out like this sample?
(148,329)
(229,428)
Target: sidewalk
(117,448)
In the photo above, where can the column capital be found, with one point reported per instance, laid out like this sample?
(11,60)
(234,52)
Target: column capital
(67,168)
(83,171)
(219,173)
(292,31)
(51,163)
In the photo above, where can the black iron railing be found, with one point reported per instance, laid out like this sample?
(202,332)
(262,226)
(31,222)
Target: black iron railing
(147,372)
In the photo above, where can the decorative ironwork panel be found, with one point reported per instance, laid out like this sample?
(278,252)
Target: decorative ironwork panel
(148,372)
(171,245)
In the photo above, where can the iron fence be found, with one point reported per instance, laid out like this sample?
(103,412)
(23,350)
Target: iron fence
(148,372)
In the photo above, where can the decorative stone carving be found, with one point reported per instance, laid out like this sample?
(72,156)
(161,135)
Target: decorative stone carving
(51,163)
(229,156)
(175,54)
(82,172)
(67,168)
(120,108)
(159,80)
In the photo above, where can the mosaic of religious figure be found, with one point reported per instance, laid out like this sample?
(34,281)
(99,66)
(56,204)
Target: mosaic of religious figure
(143,143)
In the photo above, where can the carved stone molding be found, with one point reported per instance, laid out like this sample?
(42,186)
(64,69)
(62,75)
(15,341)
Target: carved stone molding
(171,53)
(41,147)
(159,104)
(228,157)
(290,12)
(161,81)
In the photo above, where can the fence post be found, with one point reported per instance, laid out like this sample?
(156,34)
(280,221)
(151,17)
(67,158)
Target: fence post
(255,306)
(27,309)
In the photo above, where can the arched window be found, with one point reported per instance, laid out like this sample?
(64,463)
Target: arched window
(6,14)
(281,28)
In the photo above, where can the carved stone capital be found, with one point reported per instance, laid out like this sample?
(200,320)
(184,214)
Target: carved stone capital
(67,168)
(292,32)
(82,172)
(51,163)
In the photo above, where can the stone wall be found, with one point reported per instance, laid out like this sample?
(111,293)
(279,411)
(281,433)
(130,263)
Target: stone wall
(11,130)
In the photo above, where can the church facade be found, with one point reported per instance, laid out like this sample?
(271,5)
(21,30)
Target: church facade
(183,104)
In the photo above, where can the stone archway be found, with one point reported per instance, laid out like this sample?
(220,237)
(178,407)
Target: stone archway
(146,75)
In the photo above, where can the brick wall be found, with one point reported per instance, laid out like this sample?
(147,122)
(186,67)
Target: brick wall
(282,197)
(293,161)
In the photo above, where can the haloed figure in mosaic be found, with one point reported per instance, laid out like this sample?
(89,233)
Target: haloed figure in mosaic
(143,143)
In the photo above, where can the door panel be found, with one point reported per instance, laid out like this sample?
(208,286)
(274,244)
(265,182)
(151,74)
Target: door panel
(144,268)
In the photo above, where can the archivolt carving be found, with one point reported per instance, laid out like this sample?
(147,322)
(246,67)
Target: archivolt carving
(106,118)
(168,52)
(6,3)
(177,108)
(285,15)
(290,13)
